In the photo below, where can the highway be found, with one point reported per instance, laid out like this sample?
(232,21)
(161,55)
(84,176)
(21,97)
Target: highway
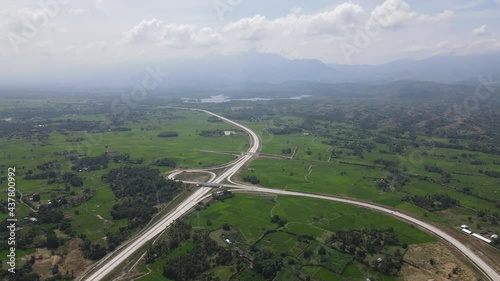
(109,263)
(483,266)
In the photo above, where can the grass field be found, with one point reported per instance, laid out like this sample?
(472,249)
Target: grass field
(93,217)
(250,216)
(352,177)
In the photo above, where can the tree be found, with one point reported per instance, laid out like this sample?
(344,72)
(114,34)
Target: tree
(251,179)
(36,197)
(307,254)
(226,227)
(52,241)
(322,251)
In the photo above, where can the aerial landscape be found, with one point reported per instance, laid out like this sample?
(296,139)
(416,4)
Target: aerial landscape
(247,140)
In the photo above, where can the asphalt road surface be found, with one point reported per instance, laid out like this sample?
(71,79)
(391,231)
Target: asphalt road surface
(110,262)
(107,265)
(483,266)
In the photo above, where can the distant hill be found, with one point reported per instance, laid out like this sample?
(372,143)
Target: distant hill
(268,68)
(239,71)
(445,69)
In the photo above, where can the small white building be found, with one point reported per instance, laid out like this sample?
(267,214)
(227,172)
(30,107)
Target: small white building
(466,231)
(33,219)
(229,241)
(494,236)
(464,226)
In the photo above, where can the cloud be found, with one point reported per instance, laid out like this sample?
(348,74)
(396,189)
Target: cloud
(394,14)
(346,16)
(180,36)
(171,35)
(415,48)
(130,32)
(444,16)
(471,5)
(484,46)
(254,28)
(145,31)
(480,31)
(77,11)
(15,19)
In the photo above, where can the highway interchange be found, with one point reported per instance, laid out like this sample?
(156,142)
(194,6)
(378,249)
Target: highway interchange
(113,260)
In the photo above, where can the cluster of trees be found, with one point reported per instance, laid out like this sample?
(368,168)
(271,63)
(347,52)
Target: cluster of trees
(213,133)
(76,139)
(48,170)
(279,221)
(81,125)
(179,232)
(138,190)
(370,241)
(387,164)
(267,264)
(286,130)
(51,165)
(168,135)
(41,176)
(121,158)
(197,263)
(251,179)
(96,251)
(226,194)
(361,242)
(125,158)
(393,182)
(24,273)
(470,192)
(165,162)
(214,119)
(286,151)
(137,210)
(121,129)
(434,202)
(389,265)
(141,182)
(434,169)
(93,251)
(72,179)
(25,130)
(493,174)
(52,240)
(90,163)
(48,216)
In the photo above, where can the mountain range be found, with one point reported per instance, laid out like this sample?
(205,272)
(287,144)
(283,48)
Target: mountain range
(237,71)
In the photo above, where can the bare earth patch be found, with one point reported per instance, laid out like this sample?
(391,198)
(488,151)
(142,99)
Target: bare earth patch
(197,177)
(69,258)
(445,265)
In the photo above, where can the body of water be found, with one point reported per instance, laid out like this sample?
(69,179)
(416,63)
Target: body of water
(223,98)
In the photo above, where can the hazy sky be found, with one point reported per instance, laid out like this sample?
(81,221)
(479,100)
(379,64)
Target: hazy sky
(96,32)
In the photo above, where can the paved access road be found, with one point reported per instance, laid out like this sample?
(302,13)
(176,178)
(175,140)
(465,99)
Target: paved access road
(108,265)
(110,262)
(483,266)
